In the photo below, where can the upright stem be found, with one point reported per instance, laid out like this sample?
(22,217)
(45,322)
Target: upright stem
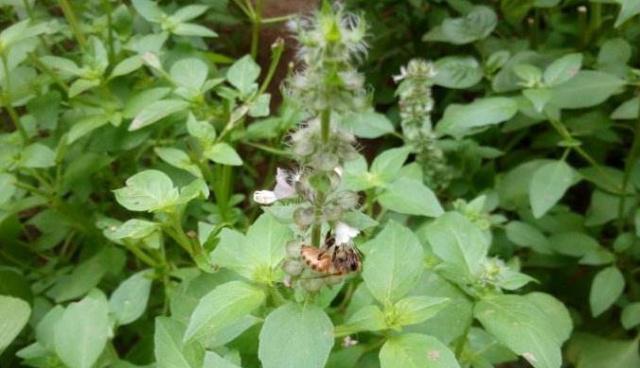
(255,28)
(108,9)
(631,159)
(7,99)
(326,125)
(316,231)
(73,22)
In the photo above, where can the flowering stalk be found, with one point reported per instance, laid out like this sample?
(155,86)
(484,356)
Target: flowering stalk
(416,103)
(328,86)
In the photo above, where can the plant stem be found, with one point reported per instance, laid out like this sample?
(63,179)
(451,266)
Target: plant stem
(631,159)
(316,231)
(70,15)
(222,189)
(7,99)
(325,128)
(276,53)
(256,21)
(108,9)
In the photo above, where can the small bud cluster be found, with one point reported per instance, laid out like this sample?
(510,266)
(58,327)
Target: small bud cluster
(328,86)
(331,42)
(416,103)
(492,272)
(312,151)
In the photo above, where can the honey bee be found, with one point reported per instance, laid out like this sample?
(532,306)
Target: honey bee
(332,258)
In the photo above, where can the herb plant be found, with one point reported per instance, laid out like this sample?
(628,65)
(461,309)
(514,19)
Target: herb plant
(438,183)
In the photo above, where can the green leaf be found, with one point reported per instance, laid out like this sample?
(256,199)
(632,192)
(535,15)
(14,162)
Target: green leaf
(387,165)
(178,158)
(523,327)
(213,360)
(169,350)
(82,85)
(155,111)
(190,73)
(411,197)
(243,74)
(223,153)
(295,336)
(606,288)
(628,10)
(126,66)
(37,156)
(85,126)
(82,332)
(588,88)
(139,101)
(189,12)
(7,183)
(458,242)
(539,97)
(416,309)
(628,110)
(393,263)
(556,313)
(257,255)
(597,352)
(630,317)
(461,120)
(367,318)
(562,69)
(476,25)
(458,72)
(61,64)
(46,328)
(260,106)
(416,351)
(549,183)
(14,315)
(148,9)
(149,190)
(526,235)
(129,301)
(195,30)
(134,229)
(367,124)
(203,130)
(223,306)
(85,276)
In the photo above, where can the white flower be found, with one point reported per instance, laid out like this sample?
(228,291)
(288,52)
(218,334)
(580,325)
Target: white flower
(338,170)
(283,188)
(264,197)
(401,76)
(344,233)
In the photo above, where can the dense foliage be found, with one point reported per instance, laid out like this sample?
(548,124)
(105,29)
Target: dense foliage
(435,183)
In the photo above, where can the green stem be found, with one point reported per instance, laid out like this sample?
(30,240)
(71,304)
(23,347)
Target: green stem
(40,65)
(224,191)
(7,99)
(276,53)
(325,125)
(141,255)
(282,18)
(177,233)
(595,19)
(107,5)
(271,150)
(566,135)
(70,15)
(316,231)
(256,22)
(631,159)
